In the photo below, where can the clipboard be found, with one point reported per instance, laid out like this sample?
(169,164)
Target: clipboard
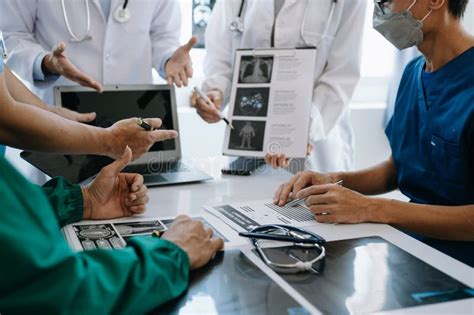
(270,102)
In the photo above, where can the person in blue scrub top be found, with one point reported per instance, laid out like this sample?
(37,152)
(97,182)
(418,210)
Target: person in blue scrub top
(431,135)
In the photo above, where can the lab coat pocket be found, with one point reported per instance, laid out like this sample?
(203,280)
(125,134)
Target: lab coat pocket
(446,159)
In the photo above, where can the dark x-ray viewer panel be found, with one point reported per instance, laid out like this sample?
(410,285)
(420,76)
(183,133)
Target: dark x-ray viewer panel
(112,106)
(232,284)
(367,275)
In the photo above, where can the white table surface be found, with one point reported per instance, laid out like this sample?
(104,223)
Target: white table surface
(225,189)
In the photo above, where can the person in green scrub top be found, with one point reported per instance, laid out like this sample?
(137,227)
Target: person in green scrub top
(41,274)
(44,128)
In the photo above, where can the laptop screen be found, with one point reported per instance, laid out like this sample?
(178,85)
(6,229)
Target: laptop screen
(112,106)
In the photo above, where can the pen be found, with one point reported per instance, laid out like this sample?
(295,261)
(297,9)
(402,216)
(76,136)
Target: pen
(282,238)
(297,201)
(144,124)
(206,99)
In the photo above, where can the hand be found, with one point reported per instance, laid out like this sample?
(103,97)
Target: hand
(72,115)
(332,203)
(194,239)
(207,112)
(57,62)
(277,160)
(127,132)
(113,194)
(179,67)
(299,182)
(280,160)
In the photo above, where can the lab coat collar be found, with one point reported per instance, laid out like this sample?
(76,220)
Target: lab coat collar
(99,8)
(113,6)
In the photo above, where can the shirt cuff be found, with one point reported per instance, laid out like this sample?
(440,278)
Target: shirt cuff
(38,74)
(164,60)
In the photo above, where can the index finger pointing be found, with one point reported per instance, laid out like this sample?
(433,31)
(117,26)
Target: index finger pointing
(162,135)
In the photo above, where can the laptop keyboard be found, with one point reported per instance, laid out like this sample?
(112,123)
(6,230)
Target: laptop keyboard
(155,168)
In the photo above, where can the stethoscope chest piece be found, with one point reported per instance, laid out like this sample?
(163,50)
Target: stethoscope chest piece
(237,26)
(122,15)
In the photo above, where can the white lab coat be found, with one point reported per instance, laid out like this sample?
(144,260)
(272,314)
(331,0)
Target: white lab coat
(119,53)
(337,66)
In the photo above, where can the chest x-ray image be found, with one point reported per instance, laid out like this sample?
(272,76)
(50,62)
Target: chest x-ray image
(256,70)
(247,135)
(252,102)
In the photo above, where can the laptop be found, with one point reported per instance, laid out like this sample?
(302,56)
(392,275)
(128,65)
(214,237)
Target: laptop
(162,165)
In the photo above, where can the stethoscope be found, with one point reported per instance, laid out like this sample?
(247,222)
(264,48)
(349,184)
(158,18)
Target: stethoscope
(121,15)
(238,25)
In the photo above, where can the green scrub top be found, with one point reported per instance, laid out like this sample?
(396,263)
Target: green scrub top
(40,273)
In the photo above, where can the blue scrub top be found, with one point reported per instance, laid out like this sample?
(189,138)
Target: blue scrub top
(2,147)
(431,134)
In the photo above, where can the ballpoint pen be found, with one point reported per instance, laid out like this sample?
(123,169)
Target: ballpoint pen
(297,201)
(206,99)
(142,123)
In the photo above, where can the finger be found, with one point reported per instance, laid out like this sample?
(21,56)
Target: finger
(276,197)
(143,201)
(302,182)
(209,233)
(189,70)
(206,109)
(315,200)
(216,98)
(86,117)
(325,218)
(323,209)
(116,167)
(162,135)
(314,190)
(169,79)
(181,218)
(217,244)
(190,44)
(268,158)
(285,192)
(83,79)
(183,77)
(282,161)
(193,99)
(142,192)
(156,123)
(135,180)
(177,80)
(208,117)
(59,49)
(271,161)
(138,209)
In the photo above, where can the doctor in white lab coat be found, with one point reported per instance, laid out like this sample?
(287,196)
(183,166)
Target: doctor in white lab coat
(109,51)
(294,23)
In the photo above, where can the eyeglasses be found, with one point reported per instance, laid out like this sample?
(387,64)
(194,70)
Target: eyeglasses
(382,4)
(306,251)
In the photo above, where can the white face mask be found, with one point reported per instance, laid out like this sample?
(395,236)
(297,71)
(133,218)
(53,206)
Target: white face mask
(401,29)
